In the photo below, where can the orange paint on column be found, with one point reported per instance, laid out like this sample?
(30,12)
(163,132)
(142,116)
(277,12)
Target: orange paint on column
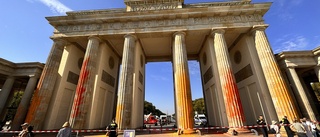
(42,96)
(78,99)
(82,100)
(184,101)
(184,108)
(277,87)
(230,90)
(233,103)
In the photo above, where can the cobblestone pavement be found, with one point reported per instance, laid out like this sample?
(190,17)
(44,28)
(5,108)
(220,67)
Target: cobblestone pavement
(151,135)
(194,135)
(174,134)
(205,133)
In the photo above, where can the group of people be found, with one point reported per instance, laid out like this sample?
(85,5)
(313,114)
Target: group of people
(302,128)
(306,128)
(66,130)
(26,131)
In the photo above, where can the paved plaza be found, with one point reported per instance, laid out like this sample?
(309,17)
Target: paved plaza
(212,133)
(194,135)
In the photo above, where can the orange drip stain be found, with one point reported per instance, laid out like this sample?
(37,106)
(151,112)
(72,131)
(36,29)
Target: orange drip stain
(19,114)
(119,117)
(184,101)
(234,106)
(80,89)
(33,107)
(36,97)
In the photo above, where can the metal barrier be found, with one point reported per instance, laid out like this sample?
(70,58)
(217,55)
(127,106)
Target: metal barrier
(145,129)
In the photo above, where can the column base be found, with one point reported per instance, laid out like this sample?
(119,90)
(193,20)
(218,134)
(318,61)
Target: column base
(237,131)
(186,131)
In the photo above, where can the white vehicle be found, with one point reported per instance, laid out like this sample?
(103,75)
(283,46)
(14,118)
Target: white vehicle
(163,119)
(200,119)
(172,119)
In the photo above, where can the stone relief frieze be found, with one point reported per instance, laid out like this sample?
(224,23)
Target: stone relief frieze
(159,23)
(218,4)
(161,6)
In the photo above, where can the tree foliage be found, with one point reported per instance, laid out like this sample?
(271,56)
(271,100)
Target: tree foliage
(14,103)
(150,108)
(198,105)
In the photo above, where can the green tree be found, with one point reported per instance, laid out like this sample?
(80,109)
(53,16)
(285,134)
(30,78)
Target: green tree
(198,105)
(14,103)
(150,108)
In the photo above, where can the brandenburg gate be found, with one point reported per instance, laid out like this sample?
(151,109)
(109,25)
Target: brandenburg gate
(96,68)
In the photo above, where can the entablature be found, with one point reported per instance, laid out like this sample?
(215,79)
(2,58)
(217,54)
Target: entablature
(107,16)
(146,5)
(154,26)
(296,59)
(20,69)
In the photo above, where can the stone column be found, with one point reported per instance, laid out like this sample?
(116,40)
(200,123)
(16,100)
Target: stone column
(85,86)
(125,92)
(5,91)
(24,104)
(278,89)
(184,110)
(294,78)
(42,96)
(230,90)
(317,68)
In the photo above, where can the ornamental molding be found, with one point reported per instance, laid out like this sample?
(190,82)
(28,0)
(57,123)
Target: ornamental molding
(158,23)
(146,5)
(174,4)
(216,4)
(161,6)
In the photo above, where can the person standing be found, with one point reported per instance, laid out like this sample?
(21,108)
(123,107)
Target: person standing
(276,128)
(261,122)
(24,131)
(30,132)
(307,127)
(286,124)
(317,125)
(65,131)
(112,129)
(313,129)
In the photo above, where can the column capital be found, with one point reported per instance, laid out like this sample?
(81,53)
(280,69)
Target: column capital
(34,76)
(10,76)
(179,33)
(259,27)
(131,36)
(291,67)
(220,31)
(94,37)
(60,41)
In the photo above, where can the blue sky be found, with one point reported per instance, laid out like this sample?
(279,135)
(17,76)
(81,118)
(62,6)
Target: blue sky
(24,36)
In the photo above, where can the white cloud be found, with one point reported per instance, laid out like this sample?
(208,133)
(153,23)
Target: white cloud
(194,68)
(296,2)
(159,78)
(288,3)
(284,7)
(31,1)
(290,43)
(55,6)
(285,16)
(281,2)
